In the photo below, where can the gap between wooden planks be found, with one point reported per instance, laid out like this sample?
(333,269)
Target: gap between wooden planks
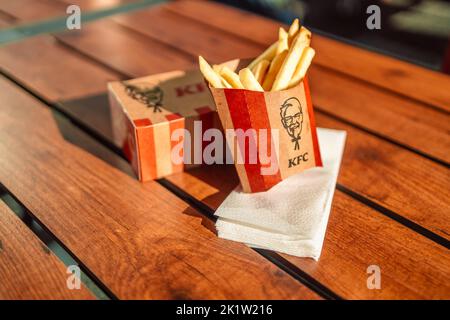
(28,270)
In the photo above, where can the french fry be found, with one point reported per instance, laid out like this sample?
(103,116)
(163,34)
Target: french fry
(295,26)
(271,52)
(249,81)
(282,41)
(218,69)
(268,54)
(231,77)
(210,75)
(293,30)
(226,84)
(261,70)
(302,66)
(274,68)
(284,76)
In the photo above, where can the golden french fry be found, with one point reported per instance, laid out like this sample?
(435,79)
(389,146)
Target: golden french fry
(295,26)
(226,84)
(293,30)
(249,81)
(274,68)
(268,54)
(272,51)
(231,77)
(210,75)
(307,34)
(282,41)
(261,70)
(217,68)
(302,66)
(284,76)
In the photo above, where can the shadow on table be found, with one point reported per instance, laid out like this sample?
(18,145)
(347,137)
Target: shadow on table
(213,183)
(87,124)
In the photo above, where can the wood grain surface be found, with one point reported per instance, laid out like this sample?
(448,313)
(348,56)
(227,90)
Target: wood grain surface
(53,73)
(395,157)
(28,270)
(357,236)
(25,12)
(407,188)
(140,240)
(30,11)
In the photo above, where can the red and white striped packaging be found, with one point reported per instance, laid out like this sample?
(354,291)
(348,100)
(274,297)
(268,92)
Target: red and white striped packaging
(146,111)
(287,116)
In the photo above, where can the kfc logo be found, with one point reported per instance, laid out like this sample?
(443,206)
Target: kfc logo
(151,97)
(190,89)
(292,119)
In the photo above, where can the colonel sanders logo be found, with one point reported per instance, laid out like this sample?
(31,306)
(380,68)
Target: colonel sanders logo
(292,119)
(151,97)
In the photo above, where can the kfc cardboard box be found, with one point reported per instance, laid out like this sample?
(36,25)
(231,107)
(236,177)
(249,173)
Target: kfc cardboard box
(267,104)
(290,113)
(146,111)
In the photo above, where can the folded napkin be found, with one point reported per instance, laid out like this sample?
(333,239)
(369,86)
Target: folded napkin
(292,216)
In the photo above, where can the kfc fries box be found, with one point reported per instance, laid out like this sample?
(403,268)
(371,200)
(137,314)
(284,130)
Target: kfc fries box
(146,111)
(288,118)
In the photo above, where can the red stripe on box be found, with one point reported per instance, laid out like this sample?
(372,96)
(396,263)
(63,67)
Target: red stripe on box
(173,116)
(146,149)
(312,121)
(129,146)
(237,105)
(142,122)
(260,120)
(206,116)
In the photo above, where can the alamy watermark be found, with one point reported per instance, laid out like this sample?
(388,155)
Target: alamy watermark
(239,146)
(74,279)
(373,22)
(374,278)
(73,21)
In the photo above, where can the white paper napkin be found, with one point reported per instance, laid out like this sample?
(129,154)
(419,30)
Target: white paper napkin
(292,216)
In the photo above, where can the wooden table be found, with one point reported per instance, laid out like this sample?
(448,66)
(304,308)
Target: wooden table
(156,240)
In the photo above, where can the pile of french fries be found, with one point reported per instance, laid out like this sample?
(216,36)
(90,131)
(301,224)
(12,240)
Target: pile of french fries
(281,66)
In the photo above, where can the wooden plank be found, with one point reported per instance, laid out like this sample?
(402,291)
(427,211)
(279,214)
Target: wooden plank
(28,11)
(186,35)
(407,184)
(156,244)
(53,71)
(403,121)
(409,181)
(95,4)
(392,74)
(412,267)
(34,11)
(28,270)
(116,39)
(6,20)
